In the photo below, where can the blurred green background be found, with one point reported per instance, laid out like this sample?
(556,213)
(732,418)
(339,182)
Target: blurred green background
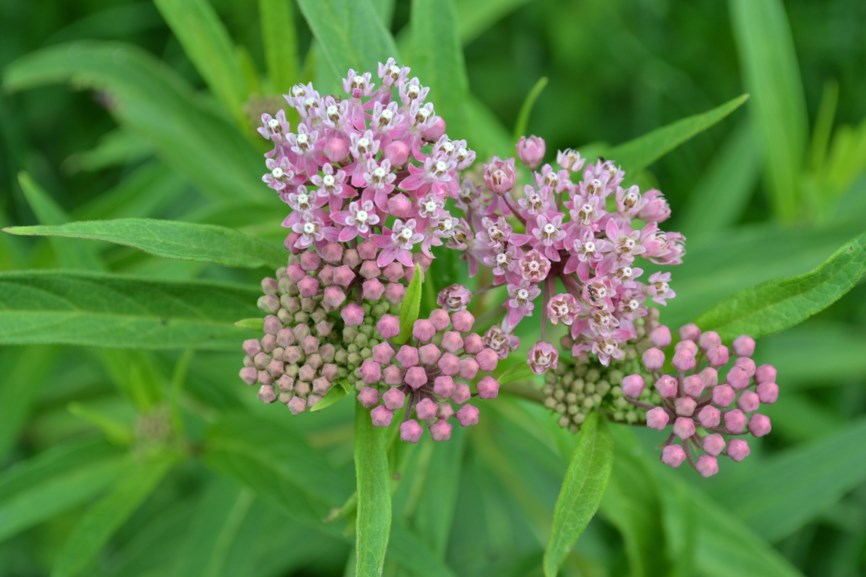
(772,190)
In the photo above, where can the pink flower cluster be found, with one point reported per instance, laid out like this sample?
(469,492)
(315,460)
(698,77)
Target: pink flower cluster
(703,410)
(587,235)
(430,376)
(374,164)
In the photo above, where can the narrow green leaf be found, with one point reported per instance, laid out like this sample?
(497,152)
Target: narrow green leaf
(769,63)
(373,526)
(722,194)
(101,521)
(814,476)
(198,142)
(350,34)
(582,490)
(209,47)
(779,304)
(171,239)
(115,148)
(26,373)
(476,16)
(823,125)
(437,59)
(114,430)
(49,213)
(54,482)
(281,43)
(526,109)
(637,154)
(254,324)
(42,307)
(334,395)
(410,308)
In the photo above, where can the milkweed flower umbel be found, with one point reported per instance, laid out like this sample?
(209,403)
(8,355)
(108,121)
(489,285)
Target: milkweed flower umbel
(710,402)
(570,248)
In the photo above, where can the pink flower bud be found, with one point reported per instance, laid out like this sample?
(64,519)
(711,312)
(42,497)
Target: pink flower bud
(488,388)
(368,397)
(765,374)
(336,149)
(326,275)
(372,290)
(295,272)
(454,298)
(411,431)
(452,341)
(440,319)
(394,293)
(423,330)
(272,325)
(367,250)
(718,356)
(343,276)
(440,430)
(684,427)
(383,353)
(656,208)
(768,393)
(468,369)
(707,465)
(249,375)
(297,405)
(735,421)
(462,321)
(435,130)
(445,411)
(369,270)
(653,359)
(738,449)
(467,416)
(693,385)
(499,175)
(416,377)
(461,393)
(351,258)
(690,332)
(353,315)
(673,456)
(657,418)
(429,354)
(332,252)
(472,344)
(392,375)
(709,340)
(632,386)
(310,261)
(381,416)
(407,356)
(744,346)
(714,444)
(444,386)
(709,417)
(661,336)
(749,401)
(400,206)
(370,372)
(252,347)
(759,425)
(685,406)
(394,272)
(487,359)
(388,326)
(723,395)
(686,345)
(397,153)
(394,399)
(449,364)
(666,386)
(531,150)
(542,357)
(738,377)
(308,286)
(426,409)
(684,360)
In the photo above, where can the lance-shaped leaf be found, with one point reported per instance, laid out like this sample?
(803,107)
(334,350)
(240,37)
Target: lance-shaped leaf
(373,523)
(778,304)
(582,490)
(411,306)
(53,307)
(171,239)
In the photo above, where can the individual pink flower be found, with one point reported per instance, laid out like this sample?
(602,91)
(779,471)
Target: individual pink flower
(530,151)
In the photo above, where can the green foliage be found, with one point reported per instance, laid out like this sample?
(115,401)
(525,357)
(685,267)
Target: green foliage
(410,308)
(373,525)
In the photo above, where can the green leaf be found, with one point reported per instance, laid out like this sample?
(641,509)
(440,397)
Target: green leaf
(437,59)
(721,196)
(476,16)
(209,47)
(115,431)
(814,477)
(53,482)
(414,554)
(280,43)
(350,35)
(254,324)
(41,307)
(334,395)
(779,304)
(115,148)
(526,109)
(410,308)
(637,154)
(157,105)
(582,490)
(373,524)
(769,63)
(171,239)
(101,521)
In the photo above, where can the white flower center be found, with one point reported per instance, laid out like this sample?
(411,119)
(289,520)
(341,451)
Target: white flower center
(303,140)
(430,206)
(309,103)
(406,233)
(627,272)
(522,294)
(277,172)
(387,115)
(413,91)
(309,228)
(589,246)
(549,229)
(303,199)
(441,167)
(447,147)
(501,258)
(361,216)
(273,123)
(328,181)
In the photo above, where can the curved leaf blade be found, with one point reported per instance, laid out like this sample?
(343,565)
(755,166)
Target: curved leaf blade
(46,307)
(582,490)
(411,306)
(778,304)
(170,239)
(373,524)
